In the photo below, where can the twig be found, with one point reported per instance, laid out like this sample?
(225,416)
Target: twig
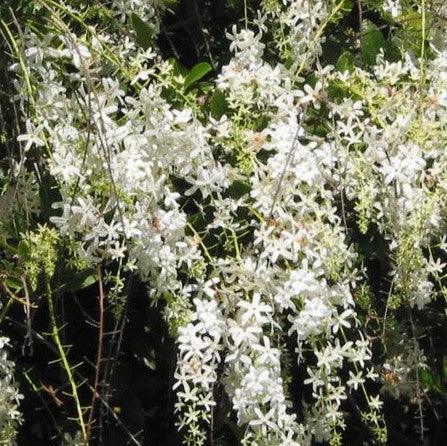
(388,300)
(99,351)
(65,363)
(205,40)
(418,382)
(24,302)
(81,377)
(28,338)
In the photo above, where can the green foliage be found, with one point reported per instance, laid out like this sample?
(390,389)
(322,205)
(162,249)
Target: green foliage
(372,42)
(218,104)
(196,73)
(345,62)
(435,379)
(144,32)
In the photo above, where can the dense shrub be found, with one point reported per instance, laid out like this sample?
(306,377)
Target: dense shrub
(240,238)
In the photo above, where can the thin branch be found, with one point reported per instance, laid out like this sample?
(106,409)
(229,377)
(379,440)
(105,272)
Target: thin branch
(81,377)
(99,351)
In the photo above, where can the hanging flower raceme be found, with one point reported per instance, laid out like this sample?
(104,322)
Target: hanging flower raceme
(10,416)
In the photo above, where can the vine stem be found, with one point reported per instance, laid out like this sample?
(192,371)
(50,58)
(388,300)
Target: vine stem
(419,392)
(319,34)
(99,351)
(422,72)
(65,363)
(80,376)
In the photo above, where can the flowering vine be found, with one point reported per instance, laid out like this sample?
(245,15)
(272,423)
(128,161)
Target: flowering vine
(250,217)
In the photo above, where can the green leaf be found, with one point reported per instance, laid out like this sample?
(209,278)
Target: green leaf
(345,62)
(149,360)
(6,246)
(347,6)
(372,41)
(177,68)
(23,249)
(14,283)
(206,86)
(144,32)
(218,104)
(410,32)
(74,281)
(197,72)
(427,378)
(238,189)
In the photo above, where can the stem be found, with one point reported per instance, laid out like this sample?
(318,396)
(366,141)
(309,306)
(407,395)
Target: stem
(319,34)
(5,309)
(65,363)
(202,245)
(423,41)
(99,351)
(418,382)
(22,63)
(236,244)
(82,378)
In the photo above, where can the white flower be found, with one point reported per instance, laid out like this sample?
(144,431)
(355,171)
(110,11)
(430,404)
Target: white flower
(32,137)
(312,95)
(393,7)
(254,312)
(355,379)
(375,403)
(244,335)
(341,320)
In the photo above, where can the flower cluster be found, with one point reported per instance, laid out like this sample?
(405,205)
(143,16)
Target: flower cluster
(296,277)
(10,417)
(396,152)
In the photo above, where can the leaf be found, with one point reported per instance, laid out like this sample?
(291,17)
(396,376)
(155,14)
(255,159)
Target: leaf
(75,281)
(197,72)
(372,41)
(14,283)
(410,33)
(23,249)
(238,189)
(149,360)
(347,6)
(177,68)
(345,62)
(427,378)
(218,104)
(144,32)
(206,86)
